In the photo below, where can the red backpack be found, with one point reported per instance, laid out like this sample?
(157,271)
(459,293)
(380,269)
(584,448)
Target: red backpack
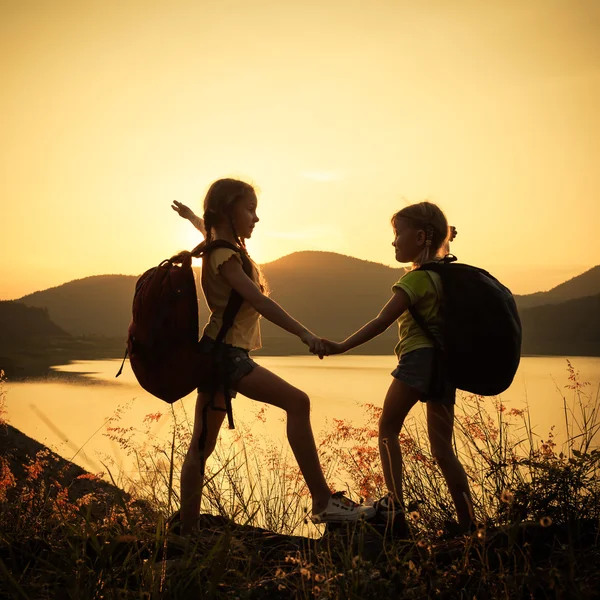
(162,341)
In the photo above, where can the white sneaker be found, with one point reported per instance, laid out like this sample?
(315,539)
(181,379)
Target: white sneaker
(340,509)
(386,506)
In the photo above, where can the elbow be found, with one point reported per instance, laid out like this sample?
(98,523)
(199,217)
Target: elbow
(260,303)
(381,326)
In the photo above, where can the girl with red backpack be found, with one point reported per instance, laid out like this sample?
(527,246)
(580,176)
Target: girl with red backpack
(421,235)
(230,215)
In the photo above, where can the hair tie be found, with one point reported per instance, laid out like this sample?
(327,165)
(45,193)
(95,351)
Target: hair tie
(429,232)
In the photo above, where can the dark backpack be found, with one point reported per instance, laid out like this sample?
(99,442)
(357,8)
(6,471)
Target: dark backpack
(482,333)
(162,340)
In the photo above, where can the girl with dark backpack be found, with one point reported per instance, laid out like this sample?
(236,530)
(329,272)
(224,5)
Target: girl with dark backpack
(230,215)
(421,235)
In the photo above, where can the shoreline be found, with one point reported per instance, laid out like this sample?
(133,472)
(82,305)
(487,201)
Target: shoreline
(41,368)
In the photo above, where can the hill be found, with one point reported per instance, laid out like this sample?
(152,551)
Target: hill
(97,305)
(570,328)
(30,342)
(586,284)
(313,286)
(333,295)
(23,324)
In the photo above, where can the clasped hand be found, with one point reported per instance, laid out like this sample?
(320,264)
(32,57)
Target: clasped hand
(321,346)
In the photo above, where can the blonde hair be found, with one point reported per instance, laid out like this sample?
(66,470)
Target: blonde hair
(221,197)
(429,218)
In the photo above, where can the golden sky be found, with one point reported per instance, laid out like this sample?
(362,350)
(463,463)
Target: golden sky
(341,112)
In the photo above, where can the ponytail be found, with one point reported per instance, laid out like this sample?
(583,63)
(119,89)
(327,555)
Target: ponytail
(208,226)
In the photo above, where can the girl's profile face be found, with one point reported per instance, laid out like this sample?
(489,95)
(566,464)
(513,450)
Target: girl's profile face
(244,215)
(408,241)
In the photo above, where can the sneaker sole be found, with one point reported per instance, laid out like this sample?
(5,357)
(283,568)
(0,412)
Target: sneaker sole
(324,518)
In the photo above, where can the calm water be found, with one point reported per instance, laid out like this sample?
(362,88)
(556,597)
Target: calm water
(69,411)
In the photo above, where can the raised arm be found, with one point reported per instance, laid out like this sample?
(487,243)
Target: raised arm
(232,272)
(187,213)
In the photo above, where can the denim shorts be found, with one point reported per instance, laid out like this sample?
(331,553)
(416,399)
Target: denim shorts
(422,370)
(237,363)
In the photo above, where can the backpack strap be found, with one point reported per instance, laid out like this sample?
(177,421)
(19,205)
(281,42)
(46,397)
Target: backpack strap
(231,309)
(420,321)
(436,378)
(414,313)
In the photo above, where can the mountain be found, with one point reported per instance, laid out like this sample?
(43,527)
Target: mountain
(20,324)
(586,284)
(333,295)
(570,328)
(25,330)
(30,342)
(97,305)
(312,286)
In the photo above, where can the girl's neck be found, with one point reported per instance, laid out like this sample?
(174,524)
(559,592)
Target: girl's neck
(223,233)
(434,258)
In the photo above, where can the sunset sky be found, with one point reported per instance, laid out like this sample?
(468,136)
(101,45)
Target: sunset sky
(341,112)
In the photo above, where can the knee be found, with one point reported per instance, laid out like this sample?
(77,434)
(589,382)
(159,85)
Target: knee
(443,455)
(209,447)
(194,455)
(388,430)
(300,404)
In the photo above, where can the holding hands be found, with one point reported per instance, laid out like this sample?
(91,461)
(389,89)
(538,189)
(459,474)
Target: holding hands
(332,347)
(314,343)
(322,346)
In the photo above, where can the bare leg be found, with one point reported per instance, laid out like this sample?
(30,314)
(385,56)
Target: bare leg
(399,399)
(267,387)
(191,470)
(440,422)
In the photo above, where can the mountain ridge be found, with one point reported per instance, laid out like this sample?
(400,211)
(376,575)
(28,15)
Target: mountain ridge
(332,294)
(580,286)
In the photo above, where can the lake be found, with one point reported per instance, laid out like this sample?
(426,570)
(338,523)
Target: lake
(68,411)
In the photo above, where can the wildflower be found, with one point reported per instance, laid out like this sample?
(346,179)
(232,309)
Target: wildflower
(515,412)
(261,414)
(415,515)
(305,572)
(89,476)
(547,447)
(152,417)
(85,500)
(34,470)
(7,479)
(576,383)
(319,578)
(506,496)
(545,521)
(316,590)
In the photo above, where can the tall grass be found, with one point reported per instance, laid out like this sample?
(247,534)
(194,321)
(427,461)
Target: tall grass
(119,544)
